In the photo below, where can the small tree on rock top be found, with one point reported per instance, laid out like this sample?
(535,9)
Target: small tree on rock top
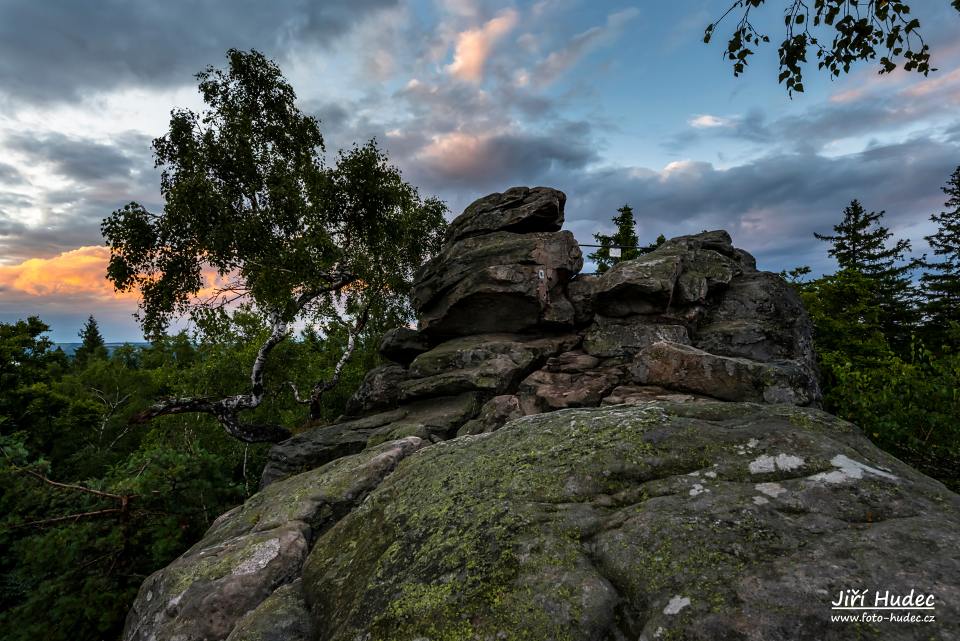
(625,239)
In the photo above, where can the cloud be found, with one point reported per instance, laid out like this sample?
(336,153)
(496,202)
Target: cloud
(947,83)
(867,105)
(80,159)
(465,8)
(858,115)
(75,274)
(68,185)
(9,174)
(63,50)
(952,134)
(475,45)
(771,205)
(491,160)
(707,121)
(560,60)
(64,289)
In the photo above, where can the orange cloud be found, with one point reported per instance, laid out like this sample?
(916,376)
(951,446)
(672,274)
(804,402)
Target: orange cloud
(474,46)
(76,274)
(79,272)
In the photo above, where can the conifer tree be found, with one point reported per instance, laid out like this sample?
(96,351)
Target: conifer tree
(861,243)
(624,238)
(941,282)
(92,344)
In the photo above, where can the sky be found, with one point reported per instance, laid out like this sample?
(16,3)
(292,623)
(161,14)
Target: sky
(612,102)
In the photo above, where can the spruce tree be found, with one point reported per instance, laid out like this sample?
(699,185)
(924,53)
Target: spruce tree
(941,280)
(625,238)
(92,344)
(861,243)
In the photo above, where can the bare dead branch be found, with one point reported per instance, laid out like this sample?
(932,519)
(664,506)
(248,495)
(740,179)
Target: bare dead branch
(226,410)
(69,517)
(64,486)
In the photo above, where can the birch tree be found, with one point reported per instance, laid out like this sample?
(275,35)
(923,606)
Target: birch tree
(249,198)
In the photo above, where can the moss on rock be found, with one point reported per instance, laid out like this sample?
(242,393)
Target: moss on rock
(624,521)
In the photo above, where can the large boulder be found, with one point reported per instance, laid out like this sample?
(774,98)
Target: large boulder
(494,414)
(696,521)
(429,419)
(611,337)
(380,389)
(282,616)
(499,282)
(402,345)
(680,272)
(519,209)
(580,293)
(761,317)
(573,379)
(654,512)
(728,378)
(547,391)
(490,363)
(643,285)
(254,549)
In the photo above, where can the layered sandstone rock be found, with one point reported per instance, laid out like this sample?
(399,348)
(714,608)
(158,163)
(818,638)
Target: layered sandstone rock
(636,455)
(504,314)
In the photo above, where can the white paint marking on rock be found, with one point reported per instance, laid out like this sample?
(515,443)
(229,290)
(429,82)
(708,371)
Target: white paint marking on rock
(849,470)
(697,489)
(783,462)
(787,462)
(763,464)
(260,556)
(770,489)
(676,604)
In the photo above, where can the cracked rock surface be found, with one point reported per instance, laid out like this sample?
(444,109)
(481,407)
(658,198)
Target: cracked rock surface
(656,521)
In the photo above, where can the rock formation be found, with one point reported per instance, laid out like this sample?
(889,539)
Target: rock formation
(635,455)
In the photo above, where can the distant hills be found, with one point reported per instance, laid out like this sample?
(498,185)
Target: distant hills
(70,348)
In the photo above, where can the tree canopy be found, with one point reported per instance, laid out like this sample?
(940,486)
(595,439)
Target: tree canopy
(839,32)
(91,341)
(941,283)
(251,204)
(89,504)
(862,245)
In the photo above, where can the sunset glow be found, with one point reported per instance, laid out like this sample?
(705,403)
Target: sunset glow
(79,273)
